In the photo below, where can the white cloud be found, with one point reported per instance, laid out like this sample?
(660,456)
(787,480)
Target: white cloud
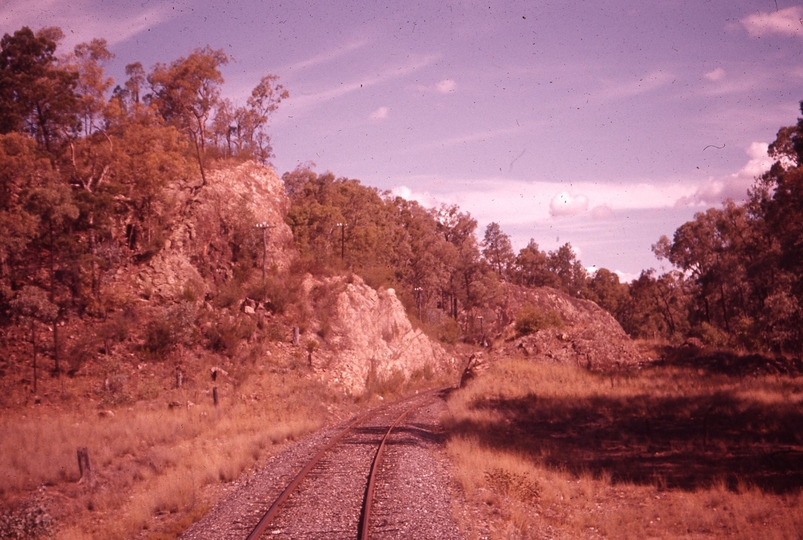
(626,277)
(82,21)
(633,87)
(296,104)
(715,74)
(421,197)
(602,211)
(566,204)
(734,186)
(786,22)
(327,56)
(380,114)
(446,86)
(523,202)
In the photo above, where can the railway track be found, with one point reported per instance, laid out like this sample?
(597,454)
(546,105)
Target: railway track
(333,494)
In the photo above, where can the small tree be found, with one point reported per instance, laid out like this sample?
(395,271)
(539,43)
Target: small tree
(497,250)
(31,304)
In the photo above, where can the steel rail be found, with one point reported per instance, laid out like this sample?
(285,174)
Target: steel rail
(274,509)
(368,502)
(268,517)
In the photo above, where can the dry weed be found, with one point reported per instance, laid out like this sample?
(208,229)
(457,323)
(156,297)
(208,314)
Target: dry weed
(553,451)
(152,462)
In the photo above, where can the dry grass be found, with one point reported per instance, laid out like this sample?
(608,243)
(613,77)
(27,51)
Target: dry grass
(558,452)
(164,455)
(152,462)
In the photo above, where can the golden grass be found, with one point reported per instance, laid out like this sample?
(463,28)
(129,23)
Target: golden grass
(151,462)
(553,451)
(161,468)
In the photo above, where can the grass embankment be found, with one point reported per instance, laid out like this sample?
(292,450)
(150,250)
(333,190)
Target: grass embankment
(150,461)
(665,452)
(162,456)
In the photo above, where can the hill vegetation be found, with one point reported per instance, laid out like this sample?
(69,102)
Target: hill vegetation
(144,246)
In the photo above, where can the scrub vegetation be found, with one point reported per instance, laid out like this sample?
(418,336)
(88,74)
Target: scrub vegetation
(547,450)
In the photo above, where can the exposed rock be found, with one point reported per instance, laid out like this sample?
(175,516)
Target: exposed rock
(590,337)
(197,255)
(370,337)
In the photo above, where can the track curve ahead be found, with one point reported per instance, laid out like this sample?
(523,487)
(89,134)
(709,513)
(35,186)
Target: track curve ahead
(337,484)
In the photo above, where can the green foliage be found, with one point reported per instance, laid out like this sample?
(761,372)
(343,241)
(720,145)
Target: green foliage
(448,331)
(743,263)
(713,336)
(169,328)
(87,182)
(277,292)
(497,250)
(229,294)
(530,319)
(225,333)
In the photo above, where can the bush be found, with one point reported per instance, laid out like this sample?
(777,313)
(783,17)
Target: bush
(229,294)
(277,292)
(449,331)
(225,334)
(169,328)
(531,319)
(29,520)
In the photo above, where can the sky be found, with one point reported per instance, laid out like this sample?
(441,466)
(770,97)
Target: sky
(601,123)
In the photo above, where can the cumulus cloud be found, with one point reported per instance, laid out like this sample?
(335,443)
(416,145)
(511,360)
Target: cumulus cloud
(446,86)
(566,204)
(733,186)
(380,114)
(525,201)
(422,197)
(785,22)
(602,211)
(715,74)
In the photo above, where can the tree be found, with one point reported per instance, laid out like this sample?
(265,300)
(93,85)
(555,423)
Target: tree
(531,269)
(32,304)
(187,92)
(36,95)
(87,61)
(605,289)
(571,275)
(497,250)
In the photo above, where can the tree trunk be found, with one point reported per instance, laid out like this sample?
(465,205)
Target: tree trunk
(33,340)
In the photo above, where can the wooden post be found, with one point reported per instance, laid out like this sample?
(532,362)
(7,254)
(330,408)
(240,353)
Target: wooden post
(214,396)
(33,340)
(84,467)
(296,336)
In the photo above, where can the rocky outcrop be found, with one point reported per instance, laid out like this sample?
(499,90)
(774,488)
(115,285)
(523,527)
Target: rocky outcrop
(369,339)
(217,220)
(588,337)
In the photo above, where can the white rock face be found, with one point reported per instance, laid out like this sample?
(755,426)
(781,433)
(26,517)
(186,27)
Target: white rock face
(196,252)
(371,336)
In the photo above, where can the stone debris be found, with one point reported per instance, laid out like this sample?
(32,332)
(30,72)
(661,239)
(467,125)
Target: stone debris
(590,337)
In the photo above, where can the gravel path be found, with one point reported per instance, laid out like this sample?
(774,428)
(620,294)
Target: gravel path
(412,497)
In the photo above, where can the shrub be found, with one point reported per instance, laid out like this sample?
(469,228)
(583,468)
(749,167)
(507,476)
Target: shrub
(276,291)
(29,520)
(224,334)
(449,331)
(169,328)
(531,319)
